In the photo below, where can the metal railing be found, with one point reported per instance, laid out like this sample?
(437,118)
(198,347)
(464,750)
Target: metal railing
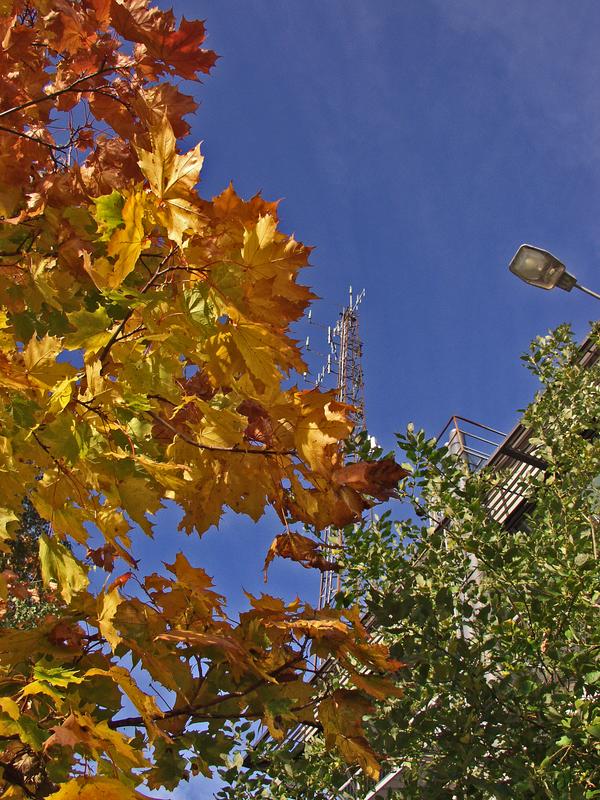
(470,440)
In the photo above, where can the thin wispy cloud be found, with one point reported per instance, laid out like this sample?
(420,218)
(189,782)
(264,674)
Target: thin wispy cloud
(550,62)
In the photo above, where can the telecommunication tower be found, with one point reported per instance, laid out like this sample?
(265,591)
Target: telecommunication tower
(343,371)
(344,360)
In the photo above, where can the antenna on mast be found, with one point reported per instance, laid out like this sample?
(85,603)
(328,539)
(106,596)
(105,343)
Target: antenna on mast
(345,361)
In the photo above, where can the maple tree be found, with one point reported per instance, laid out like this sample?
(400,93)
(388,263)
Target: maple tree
(144,344)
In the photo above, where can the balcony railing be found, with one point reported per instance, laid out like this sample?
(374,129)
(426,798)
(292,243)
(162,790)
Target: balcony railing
(470,440)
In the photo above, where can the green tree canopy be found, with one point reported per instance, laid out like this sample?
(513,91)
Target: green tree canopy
(498,627)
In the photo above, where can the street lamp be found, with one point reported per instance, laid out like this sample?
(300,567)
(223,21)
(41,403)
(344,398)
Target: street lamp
(540,268)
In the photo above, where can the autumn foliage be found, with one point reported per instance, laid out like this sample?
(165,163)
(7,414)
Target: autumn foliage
(144,341)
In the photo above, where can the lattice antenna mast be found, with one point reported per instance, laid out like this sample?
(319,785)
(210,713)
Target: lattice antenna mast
(345,360)
(351,385)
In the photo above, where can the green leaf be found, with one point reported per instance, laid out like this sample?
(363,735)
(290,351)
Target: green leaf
(7,518)
(92,329)
(69,438)
(56,676)
(23,410)
(108,214)
(200,311)
(581,559)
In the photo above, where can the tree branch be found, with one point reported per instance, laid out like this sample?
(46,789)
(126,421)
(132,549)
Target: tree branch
(35,139)
(191,710)
(44,98)
(116,333)
(194,443)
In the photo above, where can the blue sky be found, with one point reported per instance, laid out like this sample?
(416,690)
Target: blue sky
(416,144)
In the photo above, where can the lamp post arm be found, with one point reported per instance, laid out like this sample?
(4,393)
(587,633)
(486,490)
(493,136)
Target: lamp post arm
(587,291)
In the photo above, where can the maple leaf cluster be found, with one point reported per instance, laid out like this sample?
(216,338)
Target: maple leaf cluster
(144,343)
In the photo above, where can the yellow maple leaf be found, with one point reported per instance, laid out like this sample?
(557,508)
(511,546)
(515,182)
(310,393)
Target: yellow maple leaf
(145,703)
(375,654)
(198,583)
(274,260)
(258,240)
(107,608)
(127,243)
(341,716)
(168,173)
(219,427)
(60,565)
(323,423)
(223,357)
(8,706)
(82,730)
(140,498)
(266,355)
(376,686)
(6,534)
(100,269)
(61,395)
(331,629)
(223,645)
(39,357)
(65,519)
(95,788)
(172,178)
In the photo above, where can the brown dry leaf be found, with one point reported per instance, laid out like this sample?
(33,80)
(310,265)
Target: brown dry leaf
(178,50)
(324,506)
(305,551)
(376,478)
(103,556)
(65,634)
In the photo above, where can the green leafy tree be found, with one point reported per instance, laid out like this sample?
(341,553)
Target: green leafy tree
(27,601)
(499,628)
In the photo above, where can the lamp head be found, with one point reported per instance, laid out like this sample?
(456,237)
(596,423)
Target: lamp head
(540,268)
